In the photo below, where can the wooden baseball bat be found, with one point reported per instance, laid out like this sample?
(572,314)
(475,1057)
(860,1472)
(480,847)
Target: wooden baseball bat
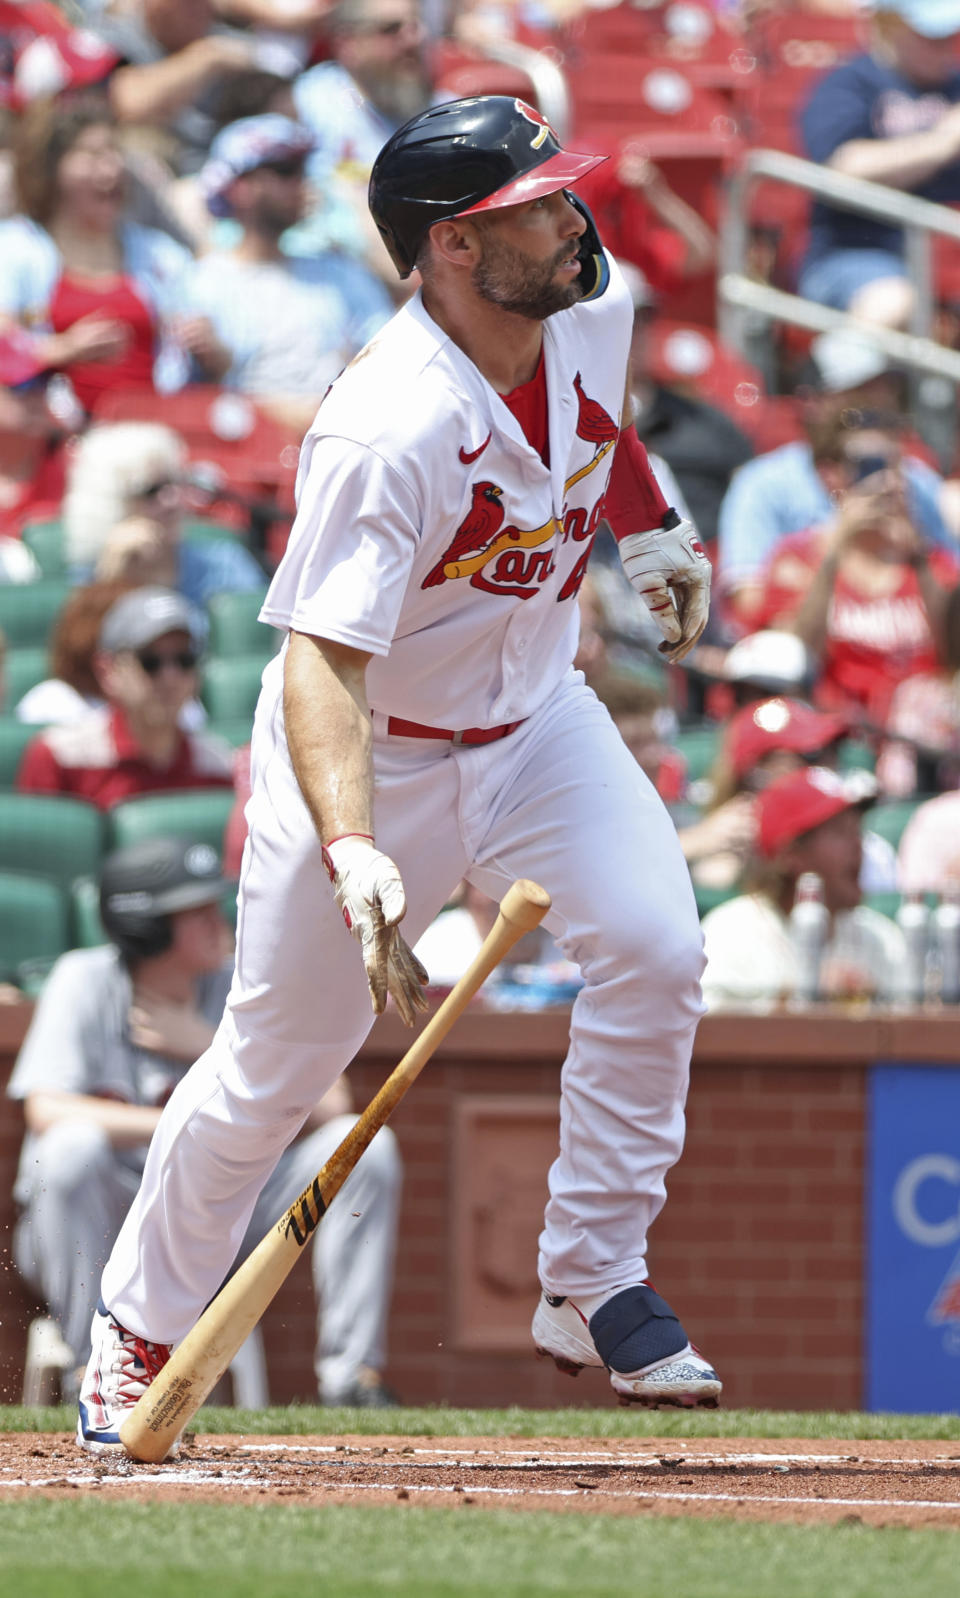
(196,1365)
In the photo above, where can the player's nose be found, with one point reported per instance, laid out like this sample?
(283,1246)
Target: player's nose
(572,222)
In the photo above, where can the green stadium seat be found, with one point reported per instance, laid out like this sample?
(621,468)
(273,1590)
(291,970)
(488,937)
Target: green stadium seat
(886,904)
(14,737)
(234,730)
(708,898)
(45,542)
(235,630)
(196,813)
(194,530)
(51,836)
(23,670)
(34,926)
(29,610)
(699,747)
(856,755)
(889,818)
(85,925)
(231,687)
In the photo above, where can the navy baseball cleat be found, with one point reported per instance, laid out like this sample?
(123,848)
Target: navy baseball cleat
(636,1336)
(121,1368)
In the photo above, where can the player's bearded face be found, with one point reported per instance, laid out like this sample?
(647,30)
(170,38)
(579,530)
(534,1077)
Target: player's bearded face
(517,282)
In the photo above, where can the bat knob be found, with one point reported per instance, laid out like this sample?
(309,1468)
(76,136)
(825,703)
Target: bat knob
(525,904)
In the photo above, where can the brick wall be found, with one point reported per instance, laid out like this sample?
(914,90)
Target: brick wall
(759,1247)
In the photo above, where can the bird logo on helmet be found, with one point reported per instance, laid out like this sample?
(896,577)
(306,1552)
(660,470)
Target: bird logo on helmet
(473,155)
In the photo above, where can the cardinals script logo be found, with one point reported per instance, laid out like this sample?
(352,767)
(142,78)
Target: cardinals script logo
(493,553)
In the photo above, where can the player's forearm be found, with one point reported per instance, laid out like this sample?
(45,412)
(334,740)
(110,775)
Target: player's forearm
(126,1125)
(329,733)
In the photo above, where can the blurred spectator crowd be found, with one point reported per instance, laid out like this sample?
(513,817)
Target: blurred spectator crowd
(187,261)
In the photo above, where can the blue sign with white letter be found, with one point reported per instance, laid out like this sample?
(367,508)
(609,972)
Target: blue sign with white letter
(913,1282)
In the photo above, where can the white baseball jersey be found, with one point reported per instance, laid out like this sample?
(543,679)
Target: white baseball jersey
(429,532)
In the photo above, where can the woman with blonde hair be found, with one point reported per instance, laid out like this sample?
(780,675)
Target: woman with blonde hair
(133,470)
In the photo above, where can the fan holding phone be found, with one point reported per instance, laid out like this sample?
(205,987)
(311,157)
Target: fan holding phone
(864,591)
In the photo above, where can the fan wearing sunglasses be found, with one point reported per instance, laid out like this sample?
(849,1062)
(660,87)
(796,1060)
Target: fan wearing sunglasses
(147,670)
(290,323)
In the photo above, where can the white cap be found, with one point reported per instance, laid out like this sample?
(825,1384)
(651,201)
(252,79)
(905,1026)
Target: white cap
(775,661)
(846,359)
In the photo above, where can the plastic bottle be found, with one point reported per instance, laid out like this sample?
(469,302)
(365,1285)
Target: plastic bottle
(809,925)
(913,919)
(946,938)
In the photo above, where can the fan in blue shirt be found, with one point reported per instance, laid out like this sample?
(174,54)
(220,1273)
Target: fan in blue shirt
(891,116)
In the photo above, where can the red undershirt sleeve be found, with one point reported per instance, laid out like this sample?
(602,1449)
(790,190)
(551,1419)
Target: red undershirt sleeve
(633,501)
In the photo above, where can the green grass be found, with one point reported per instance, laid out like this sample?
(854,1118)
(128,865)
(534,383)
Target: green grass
(95,1549)
(304,1419)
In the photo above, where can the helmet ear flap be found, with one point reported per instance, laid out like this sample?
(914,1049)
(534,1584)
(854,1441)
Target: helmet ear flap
(594,267)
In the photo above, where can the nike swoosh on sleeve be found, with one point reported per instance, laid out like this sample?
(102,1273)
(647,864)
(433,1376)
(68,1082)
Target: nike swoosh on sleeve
(468,456)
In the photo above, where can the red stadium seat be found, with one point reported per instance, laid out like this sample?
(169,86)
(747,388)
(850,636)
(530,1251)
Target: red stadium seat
(459,72)
(620,97)
(229,441)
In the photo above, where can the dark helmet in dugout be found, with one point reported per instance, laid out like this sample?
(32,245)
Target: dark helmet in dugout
(470,156)
(143,885)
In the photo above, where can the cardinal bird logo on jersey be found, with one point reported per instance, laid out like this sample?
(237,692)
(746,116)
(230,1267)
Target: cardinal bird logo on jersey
(593,423)
(475,534)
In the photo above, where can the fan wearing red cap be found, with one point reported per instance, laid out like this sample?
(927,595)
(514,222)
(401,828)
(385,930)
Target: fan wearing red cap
(762,742)
(808,820)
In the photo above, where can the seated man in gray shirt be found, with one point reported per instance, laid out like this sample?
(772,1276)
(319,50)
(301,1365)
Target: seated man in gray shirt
(114,1030)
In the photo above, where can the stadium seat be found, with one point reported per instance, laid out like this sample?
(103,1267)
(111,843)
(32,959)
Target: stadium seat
(654,102)
(699,747)
(231,687)
(51,836)
(250,454)
(890,817)
(45,542)
(708,898)
(86,928)
(694,358)
(29,610)
(234,730)
(33,926)
(886,904)
(14,737)
(197,813)
(23,670)
(235,629)
(459,72)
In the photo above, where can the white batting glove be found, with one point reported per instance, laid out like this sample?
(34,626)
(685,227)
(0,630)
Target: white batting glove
(370,894)
(670,571)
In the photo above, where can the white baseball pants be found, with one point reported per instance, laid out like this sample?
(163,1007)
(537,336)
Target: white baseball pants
(561,801)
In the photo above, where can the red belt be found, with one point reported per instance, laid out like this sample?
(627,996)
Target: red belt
(473,735)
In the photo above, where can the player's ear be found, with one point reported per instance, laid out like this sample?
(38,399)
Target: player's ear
(457,240)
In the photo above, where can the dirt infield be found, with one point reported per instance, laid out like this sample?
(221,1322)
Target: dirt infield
(877,1483)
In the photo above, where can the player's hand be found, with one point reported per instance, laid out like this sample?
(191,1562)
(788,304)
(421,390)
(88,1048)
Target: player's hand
(370,894)
(670,571)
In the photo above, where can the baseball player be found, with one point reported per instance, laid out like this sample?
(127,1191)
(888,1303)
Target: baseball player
(423,723)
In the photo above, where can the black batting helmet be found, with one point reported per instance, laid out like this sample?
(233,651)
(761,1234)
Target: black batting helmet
(469,156)
(143,885)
